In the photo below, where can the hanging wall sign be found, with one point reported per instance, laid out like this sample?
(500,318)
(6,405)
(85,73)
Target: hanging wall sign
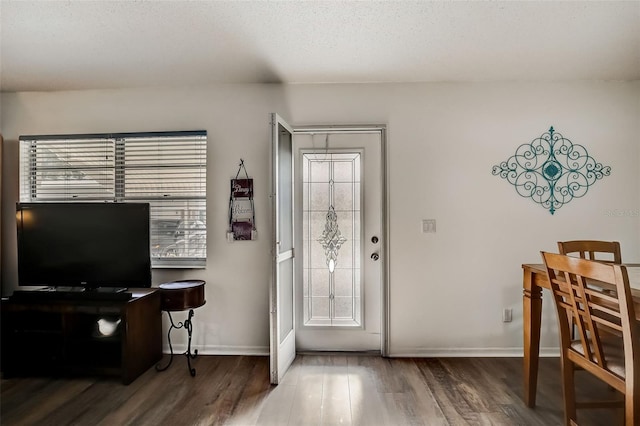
(242,219)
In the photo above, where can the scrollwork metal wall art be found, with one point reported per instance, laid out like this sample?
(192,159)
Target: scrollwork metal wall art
(551,170)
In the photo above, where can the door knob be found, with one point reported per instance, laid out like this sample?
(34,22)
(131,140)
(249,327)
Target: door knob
(375,256)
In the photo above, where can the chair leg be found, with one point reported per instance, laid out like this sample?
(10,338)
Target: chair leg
(631,415)
(568,391)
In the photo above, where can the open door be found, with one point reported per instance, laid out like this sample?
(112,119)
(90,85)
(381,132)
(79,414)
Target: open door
(281,294)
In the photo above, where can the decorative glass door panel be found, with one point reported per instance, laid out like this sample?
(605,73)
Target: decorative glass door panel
(331,228)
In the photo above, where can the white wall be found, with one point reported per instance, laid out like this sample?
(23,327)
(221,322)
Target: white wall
(447,289)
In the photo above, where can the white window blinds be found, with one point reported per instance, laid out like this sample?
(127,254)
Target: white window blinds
(166,169)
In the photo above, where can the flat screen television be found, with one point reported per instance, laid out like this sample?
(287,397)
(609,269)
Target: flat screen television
(89,245)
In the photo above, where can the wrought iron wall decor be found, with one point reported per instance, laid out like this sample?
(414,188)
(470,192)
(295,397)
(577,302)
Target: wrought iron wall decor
(551,170)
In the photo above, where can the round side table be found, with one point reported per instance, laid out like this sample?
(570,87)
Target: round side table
(180,296)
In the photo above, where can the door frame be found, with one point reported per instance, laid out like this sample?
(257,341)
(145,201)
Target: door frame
(385,205)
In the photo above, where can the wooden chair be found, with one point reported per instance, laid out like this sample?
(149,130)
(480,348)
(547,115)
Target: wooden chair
(577,291)
(592,249)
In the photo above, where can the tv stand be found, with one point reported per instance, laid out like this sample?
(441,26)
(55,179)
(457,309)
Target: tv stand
(65,335)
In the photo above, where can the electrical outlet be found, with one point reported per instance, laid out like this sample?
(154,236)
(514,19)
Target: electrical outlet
(507,315)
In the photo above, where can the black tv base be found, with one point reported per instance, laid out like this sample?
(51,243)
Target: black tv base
(72,293)
(80,289)
(65,336)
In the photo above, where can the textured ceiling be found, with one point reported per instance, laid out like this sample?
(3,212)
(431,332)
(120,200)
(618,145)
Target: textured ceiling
(65,45)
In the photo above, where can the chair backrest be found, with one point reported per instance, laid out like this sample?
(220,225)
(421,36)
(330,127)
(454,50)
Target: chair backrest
(592,249)
(578,289)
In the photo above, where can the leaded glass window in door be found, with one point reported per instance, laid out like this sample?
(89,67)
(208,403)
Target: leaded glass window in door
(332,218)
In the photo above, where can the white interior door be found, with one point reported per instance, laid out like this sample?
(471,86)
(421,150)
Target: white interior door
(281,291)
(339,239)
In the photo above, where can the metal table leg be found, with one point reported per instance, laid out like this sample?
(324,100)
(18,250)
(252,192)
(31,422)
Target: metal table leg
(187,325)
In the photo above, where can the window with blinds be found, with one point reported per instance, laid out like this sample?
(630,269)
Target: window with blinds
(166,169)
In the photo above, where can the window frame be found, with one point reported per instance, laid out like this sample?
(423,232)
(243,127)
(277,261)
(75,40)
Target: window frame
(190,235)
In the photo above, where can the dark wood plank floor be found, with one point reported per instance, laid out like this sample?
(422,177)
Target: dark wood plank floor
(332,389)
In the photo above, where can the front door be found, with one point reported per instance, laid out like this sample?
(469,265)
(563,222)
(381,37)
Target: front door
(339,183)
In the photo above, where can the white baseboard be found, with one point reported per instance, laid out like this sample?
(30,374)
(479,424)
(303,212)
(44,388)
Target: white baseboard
(394,353)
(467,352)
(220,350)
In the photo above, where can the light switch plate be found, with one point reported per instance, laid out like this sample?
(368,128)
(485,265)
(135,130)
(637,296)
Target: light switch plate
(428,226)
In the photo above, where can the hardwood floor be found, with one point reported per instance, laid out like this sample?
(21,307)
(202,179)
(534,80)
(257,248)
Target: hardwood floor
(335,389)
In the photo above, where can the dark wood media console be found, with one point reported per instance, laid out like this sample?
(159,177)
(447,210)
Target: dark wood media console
(76,336)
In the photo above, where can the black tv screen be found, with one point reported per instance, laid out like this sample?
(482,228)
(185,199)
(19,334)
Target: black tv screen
(83,244)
